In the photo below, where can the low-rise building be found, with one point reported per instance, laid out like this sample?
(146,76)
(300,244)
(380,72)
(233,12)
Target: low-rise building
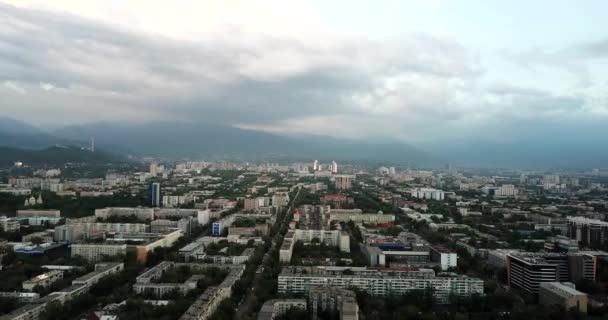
(44,280)
(272,309)
(98,251)
(562,294)
(444,257)
(378,281)
(333,300)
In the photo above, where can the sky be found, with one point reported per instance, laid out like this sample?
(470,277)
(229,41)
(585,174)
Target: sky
(421,71)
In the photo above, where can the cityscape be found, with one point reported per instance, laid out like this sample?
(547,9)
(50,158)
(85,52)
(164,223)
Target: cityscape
(318,240)
(303,160)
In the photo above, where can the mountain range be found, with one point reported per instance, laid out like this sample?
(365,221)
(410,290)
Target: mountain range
(208,141)
(212,141)
(57,155)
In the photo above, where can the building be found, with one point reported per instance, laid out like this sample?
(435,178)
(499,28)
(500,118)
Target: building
(334,238)
(286,250)
(155,194)
(371,218)
(280,199)
(44,280)
(334,167)
(22,297)
(428,194)
(9,224)
(526,271)
(77,231)
(79,287)
(506,190)
(102,269)
(176,201)
(444,257)
(498,257)
(315,166)
(39,217)
(343,182)
(251,204)
(563,294)
(272,309)
(379,282)
(337,201)
(43,251)
(206,304)
(588,232)
(97,252)
(333,301)
(155,169)
(561,244)
(140,213)
(223,259)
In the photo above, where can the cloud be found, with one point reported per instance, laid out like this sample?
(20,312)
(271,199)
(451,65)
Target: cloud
(14,87)
(280,71)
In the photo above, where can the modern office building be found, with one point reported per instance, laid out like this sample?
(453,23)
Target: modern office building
(588,232)
(155,194)
(563,294)
(377,281)
(526,271)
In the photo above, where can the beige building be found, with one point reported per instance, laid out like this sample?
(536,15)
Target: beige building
(96,252)
(563,294)
(343,182)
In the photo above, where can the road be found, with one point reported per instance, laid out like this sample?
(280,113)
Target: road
(247,302)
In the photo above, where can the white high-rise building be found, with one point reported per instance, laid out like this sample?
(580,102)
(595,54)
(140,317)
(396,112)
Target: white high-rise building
(334,167)
(315,165)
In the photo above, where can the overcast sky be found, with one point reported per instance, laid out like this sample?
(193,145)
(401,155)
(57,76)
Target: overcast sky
(422,71)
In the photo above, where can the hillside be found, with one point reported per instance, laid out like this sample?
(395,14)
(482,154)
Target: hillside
(55,156)
(214,141)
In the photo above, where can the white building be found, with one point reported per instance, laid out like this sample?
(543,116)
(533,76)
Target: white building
(377,282)
(446,258)
(428,194)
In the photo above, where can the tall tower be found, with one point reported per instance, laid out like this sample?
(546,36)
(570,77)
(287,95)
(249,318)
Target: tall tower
(92,144)
(315,165)
(334,167)
(155,194)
